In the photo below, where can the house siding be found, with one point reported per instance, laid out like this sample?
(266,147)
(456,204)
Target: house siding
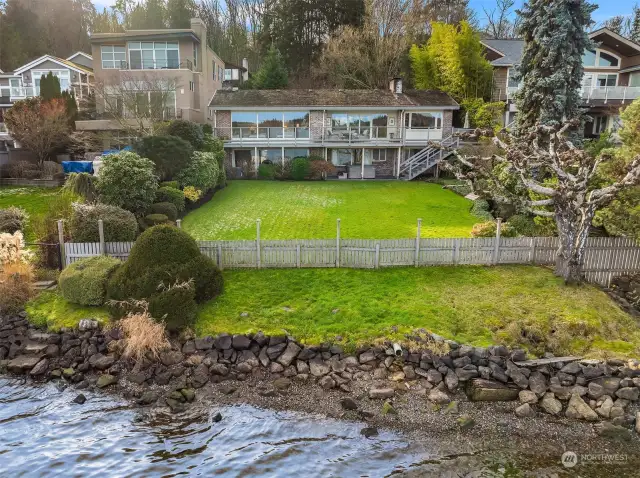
(500,77)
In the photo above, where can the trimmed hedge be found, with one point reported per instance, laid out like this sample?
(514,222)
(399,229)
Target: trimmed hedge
(162,257)
(172,195)
(166,208)
(202,173)
(190,132)
(119,224)
(170,154)
(300,168)
(267,171)
(85,281)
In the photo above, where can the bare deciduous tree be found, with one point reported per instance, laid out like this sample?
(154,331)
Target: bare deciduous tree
(499,23)
(557,180)
(137,102)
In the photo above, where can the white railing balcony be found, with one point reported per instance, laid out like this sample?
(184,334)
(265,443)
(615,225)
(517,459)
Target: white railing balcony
(606,93)
(336,135)
(21,92)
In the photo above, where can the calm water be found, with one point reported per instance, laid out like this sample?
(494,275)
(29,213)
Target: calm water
(43,434)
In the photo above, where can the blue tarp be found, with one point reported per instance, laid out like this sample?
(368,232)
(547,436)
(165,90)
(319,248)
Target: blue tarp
(114,151)
(77,167)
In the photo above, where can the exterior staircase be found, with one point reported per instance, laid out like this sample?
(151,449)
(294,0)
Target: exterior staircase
(427,158)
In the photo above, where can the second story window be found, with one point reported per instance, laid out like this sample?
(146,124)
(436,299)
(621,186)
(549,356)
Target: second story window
(227,74)
(195,55)
(113,57)
(153,55)
(599,59)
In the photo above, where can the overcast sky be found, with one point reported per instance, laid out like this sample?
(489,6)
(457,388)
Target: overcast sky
(606,8)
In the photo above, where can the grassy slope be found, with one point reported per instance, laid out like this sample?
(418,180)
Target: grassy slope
(32,200)
(308,210)
(473,305)
(476,305)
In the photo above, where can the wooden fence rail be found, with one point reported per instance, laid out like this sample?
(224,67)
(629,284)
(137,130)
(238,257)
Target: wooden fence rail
(605,257)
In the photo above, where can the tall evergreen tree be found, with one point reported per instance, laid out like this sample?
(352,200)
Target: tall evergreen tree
(635,24)
(555,38)
(49,87)
(615,24)
(273,72)
(180,13)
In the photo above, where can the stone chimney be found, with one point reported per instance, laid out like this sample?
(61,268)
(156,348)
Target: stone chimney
(245,73)
(395,85)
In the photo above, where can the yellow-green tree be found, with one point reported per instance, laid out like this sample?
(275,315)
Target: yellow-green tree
(452,60)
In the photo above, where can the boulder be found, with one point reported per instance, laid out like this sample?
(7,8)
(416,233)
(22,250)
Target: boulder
(223,342)
(481,390)
(610,384)
(241,342)
(551,404)
(604,410)
(80,399)
(148,397)
(434,376)
(367,357)
(200,376)
(219,369)
(451,380)
(282,383)
(577,408)
(595,390)
(348,403)
(409,372)
(327,382)
(527,396)
(275,367)
(171,357)
(438,397)
(105,380)
(537,383)
(628,393)
(22,364)
(40,368)
(524,410)
(615,432)
(205,343)
(318,368)
(103,362)
(289,354)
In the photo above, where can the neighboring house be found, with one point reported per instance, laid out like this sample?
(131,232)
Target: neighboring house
(74,75)
(364,133)
(235,75)
(177,66)
(611,78)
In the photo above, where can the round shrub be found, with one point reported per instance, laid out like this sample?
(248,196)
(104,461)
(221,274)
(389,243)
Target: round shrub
(13,219)
(170,154)
(165,208)
(119,224)
(207,129)
(524,225)
(481,210)
(163,260)
(128,181)
(300,168)
(190,132)
(85,282)
(266,171)
(172,195)
(202,173)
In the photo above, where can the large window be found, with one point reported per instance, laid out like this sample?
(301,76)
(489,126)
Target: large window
(62,75)
(153,55)
(423,120)
(152,104)
(359,125)
(273,155)
(342,157)
(231,74)
(290,153)
(113,57)
(514,80)
(384,155)
(606,80)
(270,124)
(599,59)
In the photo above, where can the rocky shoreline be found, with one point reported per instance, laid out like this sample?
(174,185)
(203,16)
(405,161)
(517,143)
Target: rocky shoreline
(438,387)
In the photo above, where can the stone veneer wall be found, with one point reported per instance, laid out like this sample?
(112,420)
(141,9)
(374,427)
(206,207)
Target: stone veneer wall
(447,123)
(223,124)
(315,125)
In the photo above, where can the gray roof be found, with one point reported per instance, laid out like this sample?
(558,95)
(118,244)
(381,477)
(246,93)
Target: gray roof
(511,49)
(345,98)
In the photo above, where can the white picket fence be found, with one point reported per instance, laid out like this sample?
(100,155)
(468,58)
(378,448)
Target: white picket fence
(605,257)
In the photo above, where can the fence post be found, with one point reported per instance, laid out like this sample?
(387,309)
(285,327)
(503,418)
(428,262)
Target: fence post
(338,243)
(532,252)
(377,262)
(456,251)
(63,256)
(179,223)
(258,254)
(298,255)
(103,249)
(219,253)
(417,258)
(496,249)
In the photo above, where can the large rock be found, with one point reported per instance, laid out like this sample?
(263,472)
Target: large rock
(22,364)
(451,380)
(171,357)
(527,396)
(200,376)
(318,368)
(289,354)
(517,375)
(106,380)
(551,404)
(327,382)
(205,343)
(577,408)
(595,390)
(481,390)
(604,410)
(628,393)
(223,342)
(40,368)
(102,362)
(438,397)
(616,432)
(434,376)
(524,410)
(241,342)
(367,357)
(610,384)
(537,383)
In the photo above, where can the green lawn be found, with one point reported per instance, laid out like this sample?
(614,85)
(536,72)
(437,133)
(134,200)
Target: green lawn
(514,305)
(32,199)
(308,210)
